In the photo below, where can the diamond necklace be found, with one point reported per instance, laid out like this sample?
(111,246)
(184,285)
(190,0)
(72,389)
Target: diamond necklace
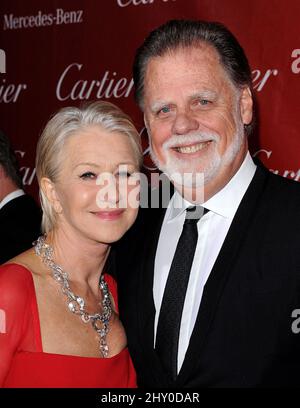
(76,304)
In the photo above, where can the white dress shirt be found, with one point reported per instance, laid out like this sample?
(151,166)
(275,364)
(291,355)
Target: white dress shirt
(212,230)
(11,196)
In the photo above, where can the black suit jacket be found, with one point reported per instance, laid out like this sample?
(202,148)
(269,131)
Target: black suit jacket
(20,224)
(243,333)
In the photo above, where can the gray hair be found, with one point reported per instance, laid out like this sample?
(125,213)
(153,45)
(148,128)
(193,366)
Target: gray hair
(67,122)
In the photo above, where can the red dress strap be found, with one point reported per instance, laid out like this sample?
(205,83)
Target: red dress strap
(112,285)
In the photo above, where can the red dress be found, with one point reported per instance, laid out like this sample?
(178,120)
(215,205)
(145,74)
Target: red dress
(22,360)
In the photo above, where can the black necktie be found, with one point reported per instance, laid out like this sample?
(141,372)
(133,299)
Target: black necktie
(168,327)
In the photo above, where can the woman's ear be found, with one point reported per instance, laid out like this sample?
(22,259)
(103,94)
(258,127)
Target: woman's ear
(49,191)
(246,106)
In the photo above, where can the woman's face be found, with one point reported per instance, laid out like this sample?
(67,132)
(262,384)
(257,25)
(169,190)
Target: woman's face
(96,195)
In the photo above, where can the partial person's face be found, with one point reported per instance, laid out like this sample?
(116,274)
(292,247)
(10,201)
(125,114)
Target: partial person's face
(86,157)
(195,117)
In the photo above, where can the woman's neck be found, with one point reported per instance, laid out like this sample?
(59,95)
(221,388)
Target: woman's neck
(82,258)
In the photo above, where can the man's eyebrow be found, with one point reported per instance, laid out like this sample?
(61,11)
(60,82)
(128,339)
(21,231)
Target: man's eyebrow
(156,106)
(204,94)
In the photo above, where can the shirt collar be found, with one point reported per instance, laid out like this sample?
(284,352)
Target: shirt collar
(226,201)
(11,196)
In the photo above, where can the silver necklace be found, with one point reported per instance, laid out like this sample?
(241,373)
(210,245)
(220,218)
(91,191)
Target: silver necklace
(76,304)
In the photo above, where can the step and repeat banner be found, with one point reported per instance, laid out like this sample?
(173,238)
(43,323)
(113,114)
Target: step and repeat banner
(56,53)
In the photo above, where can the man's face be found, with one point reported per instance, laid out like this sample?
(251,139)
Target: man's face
(195,116)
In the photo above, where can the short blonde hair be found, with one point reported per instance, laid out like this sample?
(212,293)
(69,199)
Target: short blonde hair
(67,122)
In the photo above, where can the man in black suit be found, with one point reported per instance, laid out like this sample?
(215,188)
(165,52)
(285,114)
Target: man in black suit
(20,216)
(235,325)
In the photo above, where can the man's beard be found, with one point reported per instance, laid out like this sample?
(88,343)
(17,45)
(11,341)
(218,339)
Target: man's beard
(183,172)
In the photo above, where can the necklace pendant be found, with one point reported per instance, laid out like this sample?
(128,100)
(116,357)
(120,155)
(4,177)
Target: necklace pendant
(102,333)
(81,303)
(85,318)
(72,307)
(103,348)
(57,277)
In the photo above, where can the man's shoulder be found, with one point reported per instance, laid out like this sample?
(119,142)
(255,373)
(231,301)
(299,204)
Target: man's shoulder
(275,205)
(283,188)
(27,200)
(276,185)
(21,213)
(24,202)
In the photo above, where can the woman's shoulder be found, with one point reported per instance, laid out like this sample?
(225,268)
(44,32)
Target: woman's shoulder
(16,288)
(17,271)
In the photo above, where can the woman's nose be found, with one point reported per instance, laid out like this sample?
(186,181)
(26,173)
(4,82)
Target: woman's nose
(108,195)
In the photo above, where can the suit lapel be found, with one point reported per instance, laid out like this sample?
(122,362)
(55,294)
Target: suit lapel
(154,218)
(146,310)
(219,275)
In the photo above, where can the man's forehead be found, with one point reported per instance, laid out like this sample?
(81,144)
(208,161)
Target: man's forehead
(182,63)
(198,65)
(201,50)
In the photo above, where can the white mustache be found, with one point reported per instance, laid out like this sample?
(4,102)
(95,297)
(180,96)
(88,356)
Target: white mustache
(183,140)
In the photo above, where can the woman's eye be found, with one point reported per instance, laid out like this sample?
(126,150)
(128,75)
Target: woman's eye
(88,175)
(124,174)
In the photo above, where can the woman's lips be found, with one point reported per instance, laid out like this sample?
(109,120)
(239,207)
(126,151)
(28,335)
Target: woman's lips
(109,215)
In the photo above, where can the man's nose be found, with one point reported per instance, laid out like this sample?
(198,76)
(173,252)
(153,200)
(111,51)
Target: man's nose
(184,122)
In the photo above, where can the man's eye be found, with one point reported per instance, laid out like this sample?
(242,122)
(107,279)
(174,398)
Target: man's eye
(88,175)
(204,102)
(165,109)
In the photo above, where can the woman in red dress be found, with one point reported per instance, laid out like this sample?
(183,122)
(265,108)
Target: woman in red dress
(59,312)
